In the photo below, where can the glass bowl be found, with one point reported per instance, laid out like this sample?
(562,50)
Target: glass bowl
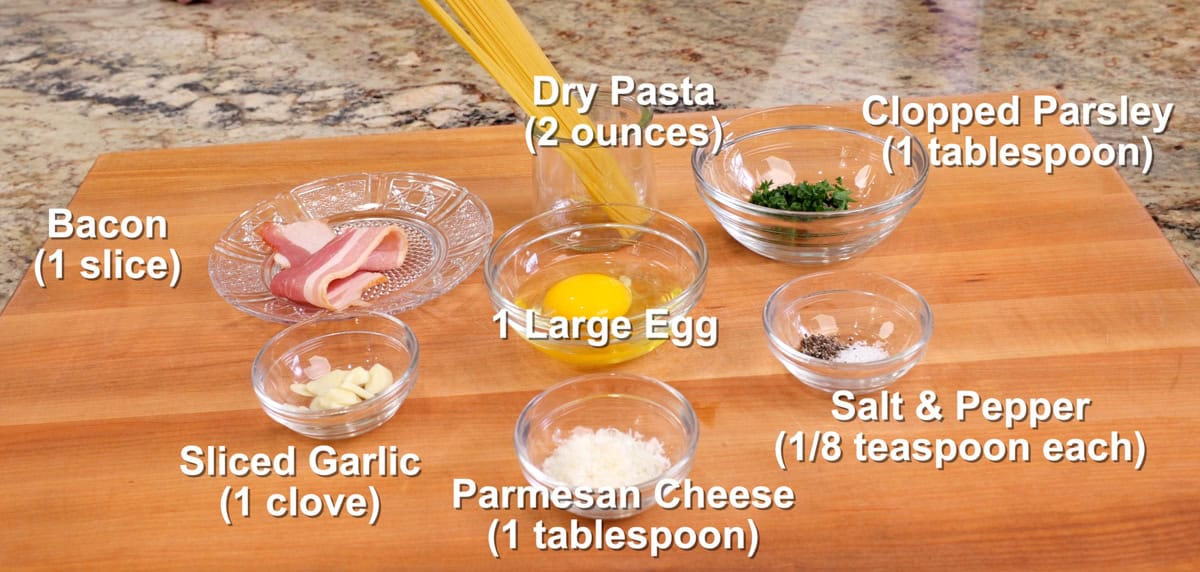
(805,143)
(663,257)
(627,170)
(640,406)
(448,230)
(347,342)
(880,314)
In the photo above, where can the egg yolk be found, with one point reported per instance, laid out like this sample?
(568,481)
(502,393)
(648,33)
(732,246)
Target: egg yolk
(588,296)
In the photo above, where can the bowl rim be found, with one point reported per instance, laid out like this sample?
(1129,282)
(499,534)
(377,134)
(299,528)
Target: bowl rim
(402,383)
(924,316)
(686,298)
(543,479)
(701,154)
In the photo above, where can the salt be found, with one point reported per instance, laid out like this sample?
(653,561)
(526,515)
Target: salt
(861,352)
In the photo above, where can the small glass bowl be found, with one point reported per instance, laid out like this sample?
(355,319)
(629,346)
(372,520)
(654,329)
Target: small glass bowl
(362,340)
(628,168)
(807,143)
(592,238)
(869,308)
(621,401)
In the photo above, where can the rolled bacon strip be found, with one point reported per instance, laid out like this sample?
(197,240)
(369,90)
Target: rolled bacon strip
(390,253)
(346,292)
(295,242)
(333,277)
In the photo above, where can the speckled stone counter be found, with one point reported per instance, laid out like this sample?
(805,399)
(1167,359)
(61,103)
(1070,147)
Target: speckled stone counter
(78,78)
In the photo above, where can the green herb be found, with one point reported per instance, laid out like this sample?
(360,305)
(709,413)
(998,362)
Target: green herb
(804,197)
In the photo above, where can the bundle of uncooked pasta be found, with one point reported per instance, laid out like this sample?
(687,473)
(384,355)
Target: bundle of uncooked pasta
(493,34)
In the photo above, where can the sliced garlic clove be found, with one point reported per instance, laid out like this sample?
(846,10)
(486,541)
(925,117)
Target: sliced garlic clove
(323,384)
(357,376)
(341,397)
(380,378)
(356,390)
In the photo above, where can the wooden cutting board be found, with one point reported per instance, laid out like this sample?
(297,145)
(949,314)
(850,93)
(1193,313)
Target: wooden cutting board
(1041,286)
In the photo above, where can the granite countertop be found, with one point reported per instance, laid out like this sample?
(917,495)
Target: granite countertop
(81,78)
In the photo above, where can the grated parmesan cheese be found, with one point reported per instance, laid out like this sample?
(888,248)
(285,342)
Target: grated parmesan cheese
(606,458)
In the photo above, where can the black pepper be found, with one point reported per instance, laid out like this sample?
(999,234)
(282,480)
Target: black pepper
(821,346)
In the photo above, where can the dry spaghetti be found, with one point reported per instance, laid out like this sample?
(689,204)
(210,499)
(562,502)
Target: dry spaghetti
(494,35)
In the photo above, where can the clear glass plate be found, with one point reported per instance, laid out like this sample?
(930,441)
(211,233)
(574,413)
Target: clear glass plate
(448,230)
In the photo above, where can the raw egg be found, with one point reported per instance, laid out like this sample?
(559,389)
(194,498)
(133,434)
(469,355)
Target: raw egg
(588,296)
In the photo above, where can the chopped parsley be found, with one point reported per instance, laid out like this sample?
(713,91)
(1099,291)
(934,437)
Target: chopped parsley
(803,197)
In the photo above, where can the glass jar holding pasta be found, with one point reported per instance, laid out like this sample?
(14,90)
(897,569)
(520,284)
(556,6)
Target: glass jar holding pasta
(612,167)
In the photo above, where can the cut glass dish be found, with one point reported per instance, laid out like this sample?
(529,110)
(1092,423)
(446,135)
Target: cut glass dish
(448,230)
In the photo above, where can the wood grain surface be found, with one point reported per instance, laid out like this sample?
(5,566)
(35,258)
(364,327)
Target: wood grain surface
(1041,286)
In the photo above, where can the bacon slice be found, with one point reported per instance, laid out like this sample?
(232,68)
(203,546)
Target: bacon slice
(346,292)
(390,253)
(333,276)
(295,242)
